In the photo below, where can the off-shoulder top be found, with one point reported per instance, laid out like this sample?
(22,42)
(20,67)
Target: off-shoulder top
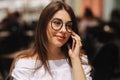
(25,70)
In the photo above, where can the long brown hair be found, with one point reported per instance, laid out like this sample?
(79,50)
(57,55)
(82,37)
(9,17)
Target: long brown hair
(41,39)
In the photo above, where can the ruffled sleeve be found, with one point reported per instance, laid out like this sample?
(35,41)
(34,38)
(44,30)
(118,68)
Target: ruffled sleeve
(22,70)
(87,68)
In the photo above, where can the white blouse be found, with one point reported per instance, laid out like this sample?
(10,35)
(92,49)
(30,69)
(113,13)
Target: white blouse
(60,69)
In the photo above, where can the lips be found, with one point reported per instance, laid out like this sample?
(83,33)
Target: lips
(60,37)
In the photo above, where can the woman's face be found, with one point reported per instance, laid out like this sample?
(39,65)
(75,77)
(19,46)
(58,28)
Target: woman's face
(59,28)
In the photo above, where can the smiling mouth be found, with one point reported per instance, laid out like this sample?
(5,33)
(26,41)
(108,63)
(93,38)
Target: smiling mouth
(60,38)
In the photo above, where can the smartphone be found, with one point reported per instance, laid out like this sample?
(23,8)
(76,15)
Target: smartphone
(71,42)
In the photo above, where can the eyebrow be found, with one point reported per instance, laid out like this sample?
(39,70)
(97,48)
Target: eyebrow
(60,20)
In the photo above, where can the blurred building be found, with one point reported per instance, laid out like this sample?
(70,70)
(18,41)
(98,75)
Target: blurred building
(32,8)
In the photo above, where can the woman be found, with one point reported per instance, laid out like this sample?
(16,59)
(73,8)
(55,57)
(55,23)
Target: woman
(57,53)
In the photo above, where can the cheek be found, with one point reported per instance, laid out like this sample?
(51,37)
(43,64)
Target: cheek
(50,32)
(68,36)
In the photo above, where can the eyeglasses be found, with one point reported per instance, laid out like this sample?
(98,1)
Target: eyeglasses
(57,24)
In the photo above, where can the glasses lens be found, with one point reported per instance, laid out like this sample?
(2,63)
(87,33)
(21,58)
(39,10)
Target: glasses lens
(69,26)
(56,24)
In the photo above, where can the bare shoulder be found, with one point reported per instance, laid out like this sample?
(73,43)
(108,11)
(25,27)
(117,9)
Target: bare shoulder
(24,54)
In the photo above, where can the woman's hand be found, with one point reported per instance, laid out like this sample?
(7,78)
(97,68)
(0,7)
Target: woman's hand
(74,53)
(74,50)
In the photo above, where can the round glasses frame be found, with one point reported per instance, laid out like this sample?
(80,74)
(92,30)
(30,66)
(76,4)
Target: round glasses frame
(57,26)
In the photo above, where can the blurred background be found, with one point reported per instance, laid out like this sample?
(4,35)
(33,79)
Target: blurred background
(98,24)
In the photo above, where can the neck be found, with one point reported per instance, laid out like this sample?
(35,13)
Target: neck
(55,53)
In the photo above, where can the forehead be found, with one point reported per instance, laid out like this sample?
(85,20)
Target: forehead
(63,15)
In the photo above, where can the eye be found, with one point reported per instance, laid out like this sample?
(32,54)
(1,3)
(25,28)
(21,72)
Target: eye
(69,25)
(57,22)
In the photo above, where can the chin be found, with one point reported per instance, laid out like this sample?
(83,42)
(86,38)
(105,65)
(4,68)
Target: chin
(59,44)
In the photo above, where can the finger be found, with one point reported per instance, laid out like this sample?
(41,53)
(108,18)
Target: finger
(68,45)
(73,44)
(76,40)
(76,35)
(69,50)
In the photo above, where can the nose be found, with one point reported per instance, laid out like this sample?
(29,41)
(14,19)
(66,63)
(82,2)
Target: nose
(63,29)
